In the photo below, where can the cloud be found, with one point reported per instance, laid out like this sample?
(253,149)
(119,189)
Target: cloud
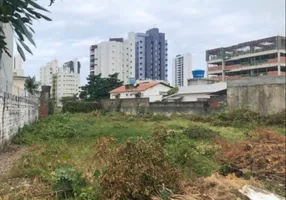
(85,42)
(190,26)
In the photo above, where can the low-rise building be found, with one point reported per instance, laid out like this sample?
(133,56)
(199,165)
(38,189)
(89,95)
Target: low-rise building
(155,91)
(197,92)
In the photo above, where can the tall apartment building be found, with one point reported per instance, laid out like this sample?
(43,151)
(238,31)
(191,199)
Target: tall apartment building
(17,66)
(114,56)
(64,81)
(181,69)
(151,55)
(6,62)
(264,57)
(47,72)
(67,80)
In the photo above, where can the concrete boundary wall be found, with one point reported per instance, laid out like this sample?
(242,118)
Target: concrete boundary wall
(262,94)
(15,112)
(143,106)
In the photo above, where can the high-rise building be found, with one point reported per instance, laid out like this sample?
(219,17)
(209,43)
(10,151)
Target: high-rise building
(114,56)
(151,55)
(181,69)
(17,69)
(6,62)
(67,80)
(264,57)
(64,81)
(47,72)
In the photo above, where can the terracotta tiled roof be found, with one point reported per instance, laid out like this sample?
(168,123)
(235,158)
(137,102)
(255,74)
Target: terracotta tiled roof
(140,88)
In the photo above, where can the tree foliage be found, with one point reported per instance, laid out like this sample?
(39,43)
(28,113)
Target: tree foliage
(98,87)
(20,14)
(31,85)
(63,100)
(173,91)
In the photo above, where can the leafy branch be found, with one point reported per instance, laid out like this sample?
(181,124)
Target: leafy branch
(20,14)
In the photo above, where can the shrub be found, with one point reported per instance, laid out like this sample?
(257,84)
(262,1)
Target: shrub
(239,116)
(276,119)
(69,181)
(160,117)
(186,156)
(161,135)
(80,106)
(199,132)
(137,171)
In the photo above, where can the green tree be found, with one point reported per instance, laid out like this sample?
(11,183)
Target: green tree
(98,87)
(173,91)
(63,100)
(31,85)
(20,14)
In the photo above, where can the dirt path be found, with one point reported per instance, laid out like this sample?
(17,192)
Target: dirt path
(8,158)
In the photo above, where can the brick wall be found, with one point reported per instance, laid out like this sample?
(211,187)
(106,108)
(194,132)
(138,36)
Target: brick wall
(15,112)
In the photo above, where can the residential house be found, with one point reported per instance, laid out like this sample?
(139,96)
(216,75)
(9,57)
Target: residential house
(197,92)
(152,90)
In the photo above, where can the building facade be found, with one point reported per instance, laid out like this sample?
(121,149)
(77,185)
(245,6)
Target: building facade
(114,56)
(6,62)
(151,55)
(18,69)
(153,90)
(64,81)
(181,69)
(264,57)
(67,80)
(47,72)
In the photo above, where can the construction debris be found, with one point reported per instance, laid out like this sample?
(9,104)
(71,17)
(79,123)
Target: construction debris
(254,193)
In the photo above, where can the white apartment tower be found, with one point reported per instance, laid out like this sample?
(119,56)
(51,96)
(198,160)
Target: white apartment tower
(114,56)
(182,67)
(17,69)
(6,62)
(47,72)
(64,81)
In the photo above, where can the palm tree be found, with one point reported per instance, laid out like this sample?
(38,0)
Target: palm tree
(31,84)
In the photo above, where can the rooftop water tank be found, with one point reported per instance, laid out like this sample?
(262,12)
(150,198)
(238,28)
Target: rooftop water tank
(198,73)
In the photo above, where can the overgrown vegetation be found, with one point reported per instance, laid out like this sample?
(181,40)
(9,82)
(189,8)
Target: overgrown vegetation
(80,106)
(101,155)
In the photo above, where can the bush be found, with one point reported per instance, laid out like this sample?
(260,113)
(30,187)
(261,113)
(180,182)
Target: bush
(276,119)
(161,135)
(192,161)
(137,171)
(239,116)
(69,182)
(80,106)
(199,132)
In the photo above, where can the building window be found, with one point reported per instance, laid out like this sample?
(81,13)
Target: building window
(140,68)
(140,41)
(127,95)
(140,63)
(140,58)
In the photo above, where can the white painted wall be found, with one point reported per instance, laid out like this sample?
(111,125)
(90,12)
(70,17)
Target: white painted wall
(6,62)
(17,113)
(153,93)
